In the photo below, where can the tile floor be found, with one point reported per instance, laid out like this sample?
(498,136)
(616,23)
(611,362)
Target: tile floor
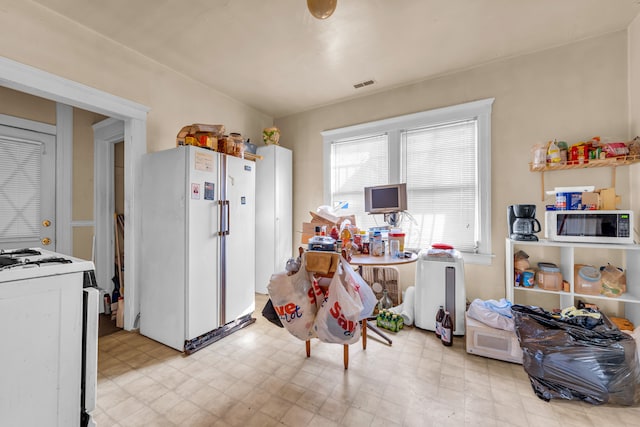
(260,376)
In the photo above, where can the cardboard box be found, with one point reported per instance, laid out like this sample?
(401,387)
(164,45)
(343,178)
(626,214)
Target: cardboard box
(602,199)
(590,200)
(308,228)
(608,199)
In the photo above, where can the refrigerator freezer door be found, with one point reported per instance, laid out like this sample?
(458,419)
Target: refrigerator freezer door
(164,246)
(202,249)
(239,258)
(179,269)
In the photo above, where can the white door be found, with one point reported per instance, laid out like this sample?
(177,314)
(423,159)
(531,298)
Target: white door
(202,257)
(240,242)
(27,189)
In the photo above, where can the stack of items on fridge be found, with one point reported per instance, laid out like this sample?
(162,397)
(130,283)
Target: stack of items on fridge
(491,331)
(213,137)
(578,354)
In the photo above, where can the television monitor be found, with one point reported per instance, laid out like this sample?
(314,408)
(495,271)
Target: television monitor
(383,199)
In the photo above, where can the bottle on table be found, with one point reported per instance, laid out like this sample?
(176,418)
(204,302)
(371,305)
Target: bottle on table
(365,242)
(335,235)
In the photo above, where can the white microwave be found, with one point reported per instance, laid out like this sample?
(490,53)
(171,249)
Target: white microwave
(597,226)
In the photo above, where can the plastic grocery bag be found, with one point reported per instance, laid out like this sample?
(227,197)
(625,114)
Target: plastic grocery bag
(569,361)
(361,287)
(293,301)
(337,321)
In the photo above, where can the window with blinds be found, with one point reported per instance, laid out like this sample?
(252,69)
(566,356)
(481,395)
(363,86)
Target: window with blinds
(444,158)
(19,190)
(440,172)
(358,163)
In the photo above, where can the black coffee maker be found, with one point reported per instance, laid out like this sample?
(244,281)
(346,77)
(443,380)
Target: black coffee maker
(522,222)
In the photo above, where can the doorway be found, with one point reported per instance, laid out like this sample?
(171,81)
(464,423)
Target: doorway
(109,201)
(40,83)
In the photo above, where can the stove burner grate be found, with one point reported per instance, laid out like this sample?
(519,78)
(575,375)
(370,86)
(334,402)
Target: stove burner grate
(19,252)
(36,263)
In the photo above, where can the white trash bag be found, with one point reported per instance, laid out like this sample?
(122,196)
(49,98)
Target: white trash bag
(294,301)
(337,321)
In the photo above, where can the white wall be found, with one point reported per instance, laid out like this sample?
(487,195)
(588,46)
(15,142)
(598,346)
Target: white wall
(634,111)
(34,36)
(569,93)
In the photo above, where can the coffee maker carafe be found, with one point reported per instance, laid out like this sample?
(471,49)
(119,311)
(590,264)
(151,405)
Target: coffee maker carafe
(522,222)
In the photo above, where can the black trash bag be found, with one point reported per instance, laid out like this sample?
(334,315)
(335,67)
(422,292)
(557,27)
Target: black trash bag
(270,314)
(569,361)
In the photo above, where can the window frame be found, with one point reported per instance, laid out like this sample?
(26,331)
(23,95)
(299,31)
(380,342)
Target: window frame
(479,110)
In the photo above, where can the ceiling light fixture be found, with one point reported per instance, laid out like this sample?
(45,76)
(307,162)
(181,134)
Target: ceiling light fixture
(322,9)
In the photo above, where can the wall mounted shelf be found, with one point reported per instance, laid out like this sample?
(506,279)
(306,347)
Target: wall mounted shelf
(611,162)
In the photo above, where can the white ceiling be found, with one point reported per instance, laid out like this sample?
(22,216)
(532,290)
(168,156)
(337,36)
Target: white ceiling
(274,56)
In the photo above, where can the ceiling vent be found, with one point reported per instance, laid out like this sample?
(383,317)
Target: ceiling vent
(363,84)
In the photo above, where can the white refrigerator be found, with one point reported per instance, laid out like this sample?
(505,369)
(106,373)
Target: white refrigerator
(198,236)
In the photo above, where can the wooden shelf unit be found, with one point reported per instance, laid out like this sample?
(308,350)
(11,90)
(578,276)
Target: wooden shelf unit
(611,162)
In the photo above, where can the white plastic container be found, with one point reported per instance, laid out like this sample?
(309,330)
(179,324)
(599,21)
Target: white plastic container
(440,282)
(483,340)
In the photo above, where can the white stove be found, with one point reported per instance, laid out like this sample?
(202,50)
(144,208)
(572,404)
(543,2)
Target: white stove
(49,313)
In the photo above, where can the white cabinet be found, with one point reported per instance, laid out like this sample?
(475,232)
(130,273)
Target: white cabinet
(274,211)
(566,255)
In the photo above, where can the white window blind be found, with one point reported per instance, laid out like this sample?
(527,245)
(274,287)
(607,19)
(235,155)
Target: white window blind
(441,176)
(19,190)
(358,163)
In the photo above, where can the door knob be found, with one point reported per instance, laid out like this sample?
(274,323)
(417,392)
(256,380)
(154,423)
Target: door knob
(46,241)
(46,223)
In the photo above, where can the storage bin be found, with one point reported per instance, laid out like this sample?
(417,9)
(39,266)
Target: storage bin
(483,340)
(588,279)
(548,277)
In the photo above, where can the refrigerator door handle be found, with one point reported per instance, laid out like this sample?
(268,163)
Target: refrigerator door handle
(221,223)
(227,228)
